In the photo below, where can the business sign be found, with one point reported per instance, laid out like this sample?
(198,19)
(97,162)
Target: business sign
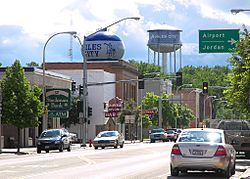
(218,41)
(60,114)
(58,99)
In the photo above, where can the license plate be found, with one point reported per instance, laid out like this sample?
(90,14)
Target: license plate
(197,152)
(46,147)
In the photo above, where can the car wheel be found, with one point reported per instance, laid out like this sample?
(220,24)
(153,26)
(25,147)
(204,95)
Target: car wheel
(233,170)
(174,171)
(152,141)
(96,147)
(121,146)
(227,172)
(116,145)
(38,150)
(61,148)
(103,147)
(69,148)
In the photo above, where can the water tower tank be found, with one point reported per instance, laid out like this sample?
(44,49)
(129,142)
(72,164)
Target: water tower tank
(164,41)
(103,46)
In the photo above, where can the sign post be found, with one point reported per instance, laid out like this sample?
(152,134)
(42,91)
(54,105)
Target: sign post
(218,41)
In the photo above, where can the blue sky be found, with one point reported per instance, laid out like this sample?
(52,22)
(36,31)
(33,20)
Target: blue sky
(25,26)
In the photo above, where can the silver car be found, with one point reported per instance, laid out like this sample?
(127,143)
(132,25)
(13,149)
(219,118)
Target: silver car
(108,139)
(203,149)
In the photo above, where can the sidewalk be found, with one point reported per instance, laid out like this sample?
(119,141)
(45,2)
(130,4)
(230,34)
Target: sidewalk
(30,150)
(246,174)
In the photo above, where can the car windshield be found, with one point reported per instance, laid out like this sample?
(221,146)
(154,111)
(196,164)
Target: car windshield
(157,130)
(201,136)
(107,134)
(170,132)
(52,133)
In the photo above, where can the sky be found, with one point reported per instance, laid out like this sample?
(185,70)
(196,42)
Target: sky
(26,25)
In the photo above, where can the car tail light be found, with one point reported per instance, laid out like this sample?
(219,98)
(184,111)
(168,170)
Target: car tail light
(176,150)
(221,151)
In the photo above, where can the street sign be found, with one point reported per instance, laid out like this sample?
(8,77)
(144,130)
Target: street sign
(218,41)
(58,99)
(129,119)
(61,114)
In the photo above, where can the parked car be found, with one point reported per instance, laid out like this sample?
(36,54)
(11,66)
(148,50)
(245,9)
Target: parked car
(171,135)
(109,139)
(158,134)
(238,133)
(54,139)
(203,149)
(73,137)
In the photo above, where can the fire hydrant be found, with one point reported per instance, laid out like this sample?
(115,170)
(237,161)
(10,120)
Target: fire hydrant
(90,143)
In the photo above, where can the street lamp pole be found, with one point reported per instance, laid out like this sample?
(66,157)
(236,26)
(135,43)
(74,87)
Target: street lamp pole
(236,11)
(44,80)
(85,86)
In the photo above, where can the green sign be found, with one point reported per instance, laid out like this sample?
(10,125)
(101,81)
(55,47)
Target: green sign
(61,114)
(217,41)
(58,99)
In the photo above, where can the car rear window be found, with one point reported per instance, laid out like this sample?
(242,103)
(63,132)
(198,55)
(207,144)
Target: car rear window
(157,130)
(233,125)
(201,136)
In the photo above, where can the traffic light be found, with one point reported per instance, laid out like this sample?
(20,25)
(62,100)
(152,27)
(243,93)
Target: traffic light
(205,88)
(80,90)
(89,111)
(178,78)
(73,86)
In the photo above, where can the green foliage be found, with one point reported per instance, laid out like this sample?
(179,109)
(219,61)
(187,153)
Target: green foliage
(32,64)
(170,112)
(215,76)
(21,103)
(239,79)
(145,69)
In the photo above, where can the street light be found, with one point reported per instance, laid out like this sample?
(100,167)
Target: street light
(236,11)
(44,82)
(85,86)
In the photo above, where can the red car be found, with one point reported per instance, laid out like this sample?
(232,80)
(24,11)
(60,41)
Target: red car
(171,135)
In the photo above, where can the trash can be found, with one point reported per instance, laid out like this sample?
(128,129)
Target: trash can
(30,141)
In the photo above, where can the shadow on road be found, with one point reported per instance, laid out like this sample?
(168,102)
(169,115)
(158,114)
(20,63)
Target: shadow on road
(193,175)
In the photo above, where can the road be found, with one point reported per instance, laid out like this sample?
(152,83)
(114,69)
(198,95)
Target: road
(134,161)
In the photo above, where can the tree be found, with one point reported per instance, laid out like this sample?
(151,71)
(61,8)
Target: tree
(238,93)
(146,69)
(21,103)
(32,64)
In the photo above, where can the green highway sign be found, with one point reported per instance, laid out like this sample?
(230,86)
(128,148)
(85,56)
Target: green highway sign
(218,41)
(61,114)
(58,99)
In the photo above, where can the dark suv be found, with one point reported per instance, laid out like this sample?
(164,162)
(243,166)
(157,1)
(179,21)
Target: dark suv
(54,139)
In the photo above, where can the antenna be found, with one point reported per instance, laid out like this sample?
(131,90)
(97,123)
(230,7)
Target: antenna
(70,42)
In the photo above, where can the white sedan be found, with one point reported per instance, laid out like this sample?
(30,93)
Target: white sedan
(203,149)
(108,139)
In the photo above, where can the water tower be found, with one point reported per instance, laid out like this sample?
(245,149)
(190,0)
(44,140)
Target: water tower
(165,44)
